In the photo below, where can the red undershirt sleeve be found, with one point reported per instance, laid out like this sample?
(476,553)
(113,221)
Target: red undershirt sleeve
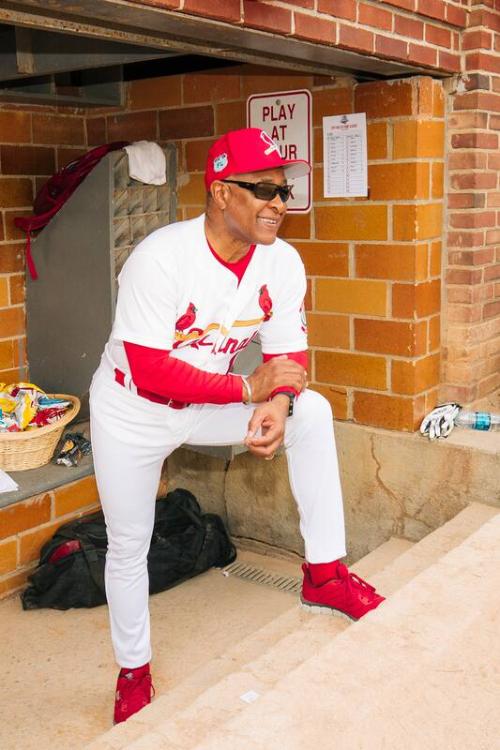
(300,357)
(155,371)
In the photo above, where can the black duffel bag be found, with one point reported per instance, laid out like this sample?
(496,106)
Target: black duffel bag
(185,542)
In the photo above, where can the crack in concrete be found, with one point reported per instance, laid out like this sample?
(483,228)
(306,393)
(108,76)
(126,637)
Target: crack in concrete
(399,520)
(417,516)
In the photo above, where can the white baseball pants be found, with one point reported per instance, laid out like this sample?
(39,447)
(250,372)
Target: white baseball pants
(131,437)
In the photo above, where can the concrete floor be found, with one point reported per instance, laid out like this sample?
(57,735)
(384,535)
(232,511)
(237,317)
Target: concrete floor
(58,670)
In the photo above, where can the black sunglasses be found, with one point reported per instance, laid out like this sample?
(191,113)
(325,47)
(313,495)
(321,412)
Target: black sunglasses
(265,191)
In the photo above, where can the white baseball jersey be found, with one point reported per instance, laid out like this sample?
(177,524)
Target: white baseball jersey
(175,295)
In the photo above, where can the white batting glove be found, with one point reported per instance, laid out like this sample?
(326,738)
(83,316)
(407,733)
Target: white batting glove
(440,421)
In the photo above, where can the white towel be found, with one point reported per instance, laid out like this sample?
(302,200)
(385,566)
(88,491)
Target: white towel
(146,162)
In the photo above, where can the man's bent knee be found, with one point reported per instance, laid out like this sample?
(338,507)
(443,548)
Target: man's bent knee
(312,407)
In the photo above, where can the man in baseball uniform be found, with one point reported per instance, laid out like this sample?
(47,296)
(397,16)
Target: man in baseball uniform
(191,296)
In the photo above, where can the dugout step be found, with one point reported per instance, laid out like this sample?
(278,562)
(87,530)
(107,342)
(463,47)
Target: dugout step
(231,719)
(213,693)
(419,671)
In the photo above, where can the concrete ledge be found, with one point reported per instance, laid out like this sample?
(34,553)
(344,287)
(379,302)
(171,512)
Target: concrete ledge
(489,442)
(399,484)
(35,481)
(395,484)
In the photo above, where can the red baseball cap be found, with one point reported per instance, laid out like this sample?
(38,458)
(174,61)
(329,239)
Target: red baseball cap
(248,150)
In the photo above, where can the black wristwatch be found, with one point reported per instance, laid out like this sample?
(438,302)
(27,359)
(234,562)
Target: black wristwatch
(291,397)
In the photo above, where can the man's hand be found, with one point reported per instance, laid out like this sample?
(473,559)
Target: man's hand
(279,371)
(270,418)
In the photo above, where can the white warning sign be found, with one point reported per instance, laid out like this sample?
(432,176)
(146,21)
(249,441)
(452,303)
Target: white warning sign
(287,117)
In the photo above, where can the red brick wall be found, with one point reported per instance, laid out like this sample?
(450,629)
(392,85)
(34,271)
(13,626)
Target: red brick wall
(472,338)
(425,32)
(33,144)
(405,174)
(25,526)
(373,265)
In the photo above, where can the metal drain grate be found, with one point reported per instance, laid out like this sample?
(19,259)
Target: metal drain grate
(255,575)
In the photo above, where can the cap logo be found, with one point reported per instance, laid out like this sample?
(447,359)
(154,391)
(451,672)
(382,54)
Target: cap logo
(220,162)
(271,145)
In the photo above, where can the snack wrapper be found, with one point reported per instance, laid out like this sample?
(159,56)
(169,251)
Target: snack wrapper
(25,409)
(48,402)
(7,403)
(14,388)
(47,416)
(25,406)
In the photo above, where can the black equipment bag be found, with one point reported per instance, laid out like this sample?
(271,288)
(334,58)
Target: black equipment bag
(185,542)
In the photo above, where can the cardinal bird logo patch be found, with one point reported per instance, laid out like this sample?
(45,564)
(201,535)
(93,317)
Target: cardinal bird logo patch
(186,320)
(265,302)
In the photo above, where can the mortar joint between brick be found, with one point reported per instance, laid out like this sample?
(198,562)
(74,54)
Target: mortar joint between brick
(390,141)
(390,220)
(351,271)
(351,332)
(473,128)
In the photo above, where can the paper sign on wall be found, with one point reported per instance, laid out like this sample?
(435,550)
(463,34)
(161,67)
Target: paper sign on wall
(345,159)
(286,116)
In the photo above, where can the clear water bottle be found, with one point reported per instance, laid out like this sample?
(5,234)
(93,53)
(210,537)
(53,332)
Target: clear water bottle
(478,420)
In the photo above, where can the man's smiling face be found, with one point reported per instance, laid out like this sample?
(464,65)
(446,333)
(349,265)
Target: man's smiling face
(251,219)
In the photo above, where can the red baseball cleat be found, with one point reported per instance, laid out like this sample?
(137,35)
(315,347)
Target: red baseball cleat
(134,690)
(345,593)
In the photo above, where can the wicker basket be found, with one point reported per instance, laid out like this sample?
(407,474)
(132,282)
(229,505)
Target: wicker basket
(33,448)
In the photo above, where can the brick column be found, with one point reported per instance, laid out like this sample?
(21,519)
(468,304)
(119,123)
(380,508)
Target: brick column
(375,263)
(472,345)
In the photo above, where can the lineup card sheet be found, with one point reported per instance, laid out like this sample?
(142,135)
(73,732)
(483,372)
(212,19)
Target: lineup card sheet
(345,159)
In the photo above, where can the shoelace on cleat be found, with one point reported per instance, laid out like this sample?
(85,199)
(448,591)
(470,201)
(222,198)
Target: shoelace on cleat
(351,578)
